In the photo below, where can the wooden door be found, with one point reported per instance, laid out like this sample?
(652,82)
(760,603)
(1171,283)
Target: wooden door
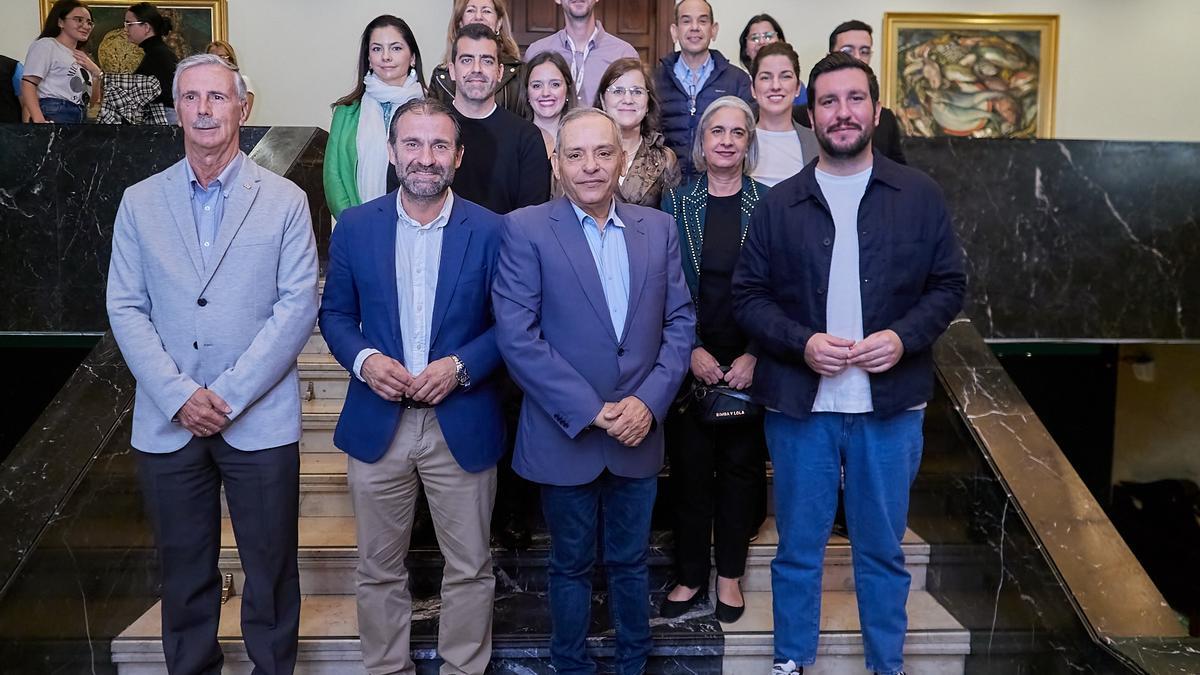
(645,24)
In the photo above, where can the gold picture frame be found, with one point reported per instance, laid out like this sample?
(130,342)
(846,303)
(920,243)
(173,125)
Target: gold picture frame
(971,75)
(196,23)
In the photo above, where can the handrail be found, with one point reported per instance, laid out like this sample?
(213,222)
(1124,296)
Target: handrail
(1109,589)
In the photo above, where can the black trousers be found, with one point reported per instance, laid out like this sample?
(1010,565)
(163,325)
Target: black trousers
(182,490)
(718,482)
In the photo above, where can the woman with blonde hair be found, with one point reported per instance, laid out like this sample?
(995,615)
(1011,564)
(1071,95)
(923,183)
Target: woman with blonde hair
(225,50)
(493,14)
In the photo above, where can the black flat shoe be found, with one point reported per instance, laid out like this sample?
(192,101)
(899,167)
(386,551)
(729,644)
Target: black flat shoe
(728,613)
(673,609)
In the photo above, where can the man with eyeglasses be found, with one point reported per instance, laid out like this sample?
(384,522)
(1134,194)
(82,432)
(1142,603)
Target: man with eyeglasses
(854,37)
(693,77)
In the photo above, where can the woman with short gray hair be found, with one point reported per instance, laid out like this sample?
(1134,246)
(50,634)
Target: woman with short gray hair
(717,471)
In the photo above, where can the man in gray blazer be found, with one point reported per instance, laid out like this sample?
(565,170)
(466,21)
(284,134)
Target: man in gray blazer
(212,293)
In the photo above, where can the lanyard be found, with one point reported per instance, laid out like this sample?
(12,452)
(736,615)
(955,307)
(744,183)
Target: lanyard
(579,64)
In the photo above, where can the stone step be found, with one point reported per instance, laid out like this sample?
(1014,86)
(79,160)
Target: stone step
(328,556)
(935,643)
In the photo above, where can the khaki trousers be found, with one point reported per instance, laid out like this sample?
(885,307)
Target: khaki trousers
(384,496)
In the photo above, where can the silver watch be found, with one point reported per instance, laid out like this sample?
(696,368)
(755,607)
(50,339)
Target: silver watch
(460,371)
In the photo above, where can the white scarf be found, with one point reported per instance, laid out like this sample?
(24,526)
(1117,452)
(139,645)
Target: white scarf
(371,172)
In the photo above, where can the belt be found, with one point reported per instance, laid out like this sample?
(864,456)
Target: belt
(413,405)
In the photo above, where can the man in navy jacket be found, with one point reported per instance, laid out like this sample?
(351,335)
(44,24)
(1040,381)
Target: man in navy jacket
(692,78)
(850,272)
(407,310)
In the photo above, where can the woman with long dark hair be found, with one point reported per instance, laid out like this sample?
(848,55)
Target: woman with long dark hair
(59,78)
(548,86)
(762,30)
(390,74)
(146,27)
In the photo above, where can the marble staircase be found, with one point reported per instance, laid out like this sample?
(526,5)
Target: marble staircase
(696,643)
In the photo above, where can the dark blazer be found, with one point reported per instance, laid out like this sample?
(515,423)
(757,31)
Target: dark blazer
(887,137)
(678,121)
(688,205)
(555,333)
(359,309)
(912,282)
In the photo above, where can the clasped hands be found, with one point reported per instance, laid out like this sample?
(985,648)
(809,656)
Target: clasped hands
(627,420)
(829,355)
(204,414)
(390,380)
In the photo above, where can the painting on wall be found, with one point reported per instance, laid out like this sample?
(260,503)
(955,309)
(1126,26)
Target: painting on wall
(971,75)
(195,24)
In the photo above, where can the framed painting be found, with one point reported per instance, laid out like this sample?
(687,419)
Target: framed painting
(971,75)
(195,24)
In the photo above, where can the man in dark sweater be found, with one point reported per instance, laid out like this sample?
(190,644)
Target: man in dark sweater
(693,77)
(504,165)
(854,38)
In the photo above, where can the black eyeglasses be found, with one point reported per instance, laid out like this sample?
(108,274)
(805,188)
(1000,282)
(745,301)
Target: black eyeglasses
(864,52)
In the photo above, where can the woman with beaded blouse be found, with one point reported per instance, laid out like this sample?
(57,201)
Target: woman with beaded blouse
(493,14)
(627,93)
(717,472)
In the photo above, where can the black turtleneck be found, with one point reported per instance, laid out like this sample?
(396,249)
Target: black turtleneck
(159,62)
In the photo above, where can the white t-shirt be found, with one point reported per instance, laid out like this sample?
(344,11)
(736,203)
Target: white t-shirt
(850,390)
(779,156)
(61,76)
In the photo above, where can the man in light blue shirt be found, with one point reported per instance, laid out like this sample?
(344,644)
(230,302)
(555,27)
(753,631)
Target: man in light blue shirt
(208,203)
(607,245)
(406,310)
(595,322)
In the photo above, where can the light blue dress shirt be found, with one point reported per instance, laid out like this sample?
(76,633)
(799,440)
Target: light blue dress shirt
(612,262)
(418,261)
(208,204)
(693,80)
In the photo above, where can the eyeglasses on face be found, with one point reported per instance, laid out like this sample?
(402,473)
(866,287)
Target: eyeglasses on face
(82,20)
(768,36)
(134,23)
(636,92)
(864,52)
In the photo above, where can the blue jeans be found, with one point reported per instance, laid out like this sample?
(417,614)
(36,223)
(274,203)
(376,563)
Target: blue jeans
(61,111)
(880,457)
(574,514)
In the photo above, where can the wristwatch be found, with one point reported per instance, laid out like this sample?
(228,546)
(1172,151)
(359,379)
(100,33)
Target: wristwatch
(460,371)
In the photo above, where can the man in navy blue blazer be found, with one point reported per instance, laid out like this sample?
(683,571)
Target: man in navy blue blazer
(407,310)
(595,323)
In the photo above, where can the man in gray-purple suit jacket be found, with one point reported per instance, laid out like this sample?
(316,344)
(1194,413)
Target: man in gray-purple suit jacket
(595,322)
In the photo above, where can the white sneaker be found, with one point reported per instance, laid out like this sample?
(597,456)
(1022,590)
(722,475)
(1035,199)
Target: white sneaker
(786,668)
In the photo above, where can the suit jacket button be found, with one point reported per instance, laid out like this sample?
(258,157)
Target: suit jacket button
(827,241)
(202,302)
(621,351)
(195,346)
(820,291)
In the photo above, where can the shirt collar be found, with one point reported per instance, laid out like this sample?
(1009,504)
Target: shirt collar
(594,40)
(223,179)
(681,66)
(611,218)
(443,216)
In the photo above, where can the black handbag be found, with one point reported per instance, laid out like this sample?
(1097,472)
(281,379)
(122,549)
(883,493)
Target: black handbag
(721,404)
